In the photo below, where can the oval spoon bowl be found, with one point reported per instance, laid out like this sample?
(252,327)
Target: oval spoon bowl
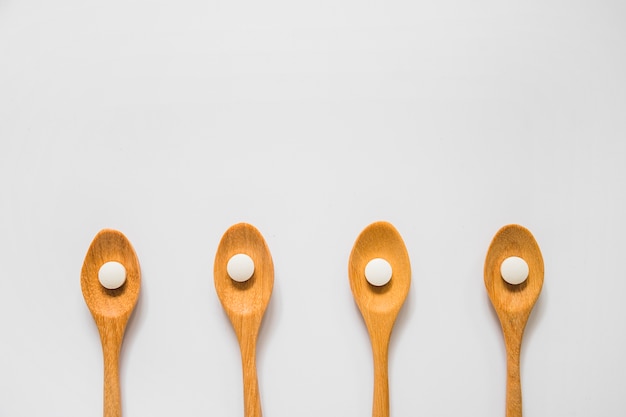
(379,240)
(513,240)
(252,296)
(110,245)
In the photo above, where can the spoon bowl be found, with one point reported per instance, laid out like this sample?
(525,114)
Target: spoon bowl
(111,309)
(380,305)
(245,302)
(513,303)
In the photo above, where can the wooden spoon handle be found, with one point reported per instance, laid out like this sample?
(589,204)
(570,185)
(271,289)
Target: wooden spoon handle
(380,351)
(513,342)
(251,396)
(513,386)
(112,396)
(380,407)
(111,335)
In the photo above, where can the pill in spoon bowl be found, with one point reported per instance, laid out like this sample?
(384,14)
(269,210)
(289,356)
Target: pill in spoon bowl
(380,277)
(110,281)
(244,279)
(513,278)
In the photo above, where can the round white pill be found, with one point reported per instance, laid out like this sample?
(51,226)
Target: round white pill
(112,275)
(240,267)
(514,270)
(378,272)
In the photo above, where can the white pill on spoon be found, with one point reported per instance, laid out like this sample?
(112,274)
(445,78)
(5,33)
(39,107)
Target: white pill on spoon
(112,275)
(514,270)
(240,267)
(378,272)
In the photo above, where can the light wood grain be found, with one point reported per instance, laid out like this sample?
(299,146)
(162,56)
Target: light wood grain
(380,306)
(245,302)
(513,303)
(111,309)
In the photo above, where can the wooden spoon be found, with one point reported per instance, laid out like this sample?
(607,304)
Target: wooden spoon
(513,303)
(380,305)
(245,302)
(111,309)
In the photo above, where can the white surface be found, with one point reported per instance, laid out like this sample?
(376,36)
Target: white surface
(240,267)
(378,272)
(514,270)
(171,121)
(112,275)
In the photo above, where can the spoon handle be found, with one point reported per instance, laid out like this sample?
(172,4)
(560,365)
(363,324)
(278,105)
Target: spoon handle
(513,386)
(513,343)
(111,335)
(380,334)
(251,397)
(380,349)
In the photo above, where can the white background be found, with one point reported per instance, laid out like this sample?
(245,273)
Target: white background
(173,120)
